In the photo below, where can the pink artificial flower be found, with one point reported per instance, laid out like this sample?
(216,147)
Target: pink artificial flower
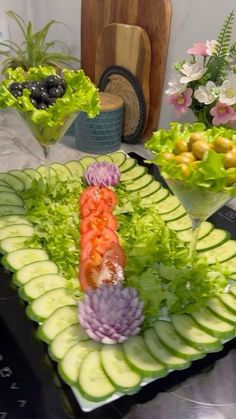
(222,113)
(181,101)
(199,48)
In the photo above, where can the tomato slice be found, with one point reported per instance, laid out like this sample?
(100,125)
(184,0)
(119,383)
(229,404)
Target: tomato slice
(115,253)
(94,221)
(88,251)
(103,242)
(88,274)
(110,197)
(94,207)
(89,192)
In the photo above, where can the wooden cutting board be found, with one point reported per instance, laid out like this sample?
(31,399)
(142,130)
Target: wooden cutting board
(127,46)
(151,15)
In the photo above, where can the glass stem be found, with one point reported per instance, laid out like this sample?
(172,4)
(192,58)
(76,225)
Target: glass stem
(46,149)
(196,224)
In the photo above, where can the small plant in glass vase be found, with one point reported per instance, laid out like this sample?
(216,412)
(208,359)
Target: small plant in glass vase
(206,81)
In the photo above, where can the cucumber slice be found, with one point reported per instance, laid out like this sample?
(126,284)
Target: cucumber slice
(233,276)
(222,253)
(43,171)
(24,177)
(214,239)
(6,189)
(161,353)
(188,330)
(26,273)
(13,181)
(12,219)
(141,360)
(229,300)
(140,183)
(183,223)
(3,183)
(11,209)
(13,243)
(65,340)
(174,215)
(213,324)
(33,174)
(168,205)
(41,284)
(86,161)
(118,370)
(93,383)
(41,308)
(19,258)
(150,189)
(16,230)
(75,168)
(71,362)
(128,165)
(204,230)
(104,157)
(221,311)
(168,336)
(233,290)
(59,320)
(11,198)
(157,196)
(133,174)
(62,171)
(229,265)
(118,157)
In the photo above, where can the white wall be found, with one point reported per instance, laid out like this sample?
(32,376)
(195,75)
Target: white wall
(192,21)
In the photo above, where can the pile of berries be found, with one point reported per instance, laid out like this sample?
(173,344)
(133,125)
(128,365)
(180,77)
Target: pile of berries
(44,93)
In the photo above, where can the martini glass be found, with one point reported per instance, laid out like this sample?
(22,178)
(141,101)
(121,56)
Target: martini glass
(47,136)
(200,203)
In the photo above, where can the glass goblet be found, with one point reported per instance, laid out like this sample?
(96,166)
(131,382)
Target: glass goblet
(47,136)
(200,203)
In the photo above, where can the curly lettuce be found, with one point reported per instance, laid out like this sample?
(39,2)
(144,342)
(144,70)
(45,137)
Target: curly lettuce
(80,95)
(210,173)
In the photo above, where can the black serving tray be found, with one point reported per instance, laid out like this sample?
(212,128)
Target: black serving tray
(30,387)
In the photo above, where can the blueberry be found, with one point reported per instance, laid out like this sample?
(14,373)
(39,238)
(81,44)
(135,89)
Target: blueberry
(63,84)
(15,86)
(33,101)
(52,81)
(16,93)
(41,105)
(44,96)
(35,92)
(42,87)
(25,84)
(56,92)
(51,101)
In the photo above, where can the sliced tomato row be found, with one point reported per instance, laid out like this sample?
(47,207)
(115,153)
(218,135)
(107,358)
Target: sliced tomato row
(101,254)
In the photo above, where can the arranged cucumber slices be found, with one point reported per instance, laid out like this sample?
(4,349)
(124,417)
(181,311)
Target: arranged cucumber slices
(58,320)
(168,336)
(64,340)
(117,369)
(100,370)
(93,383)
(70,364)
(189,330)
(141,360)
(41,308)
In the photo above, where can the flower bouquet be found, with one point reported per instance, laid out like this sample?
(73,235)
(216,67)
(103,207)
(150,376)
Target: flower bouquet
(206,81)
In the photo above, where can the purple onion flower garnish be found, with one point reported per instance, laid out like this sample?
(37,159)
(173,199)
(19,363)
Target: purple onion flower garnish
(102,174)
(111,313)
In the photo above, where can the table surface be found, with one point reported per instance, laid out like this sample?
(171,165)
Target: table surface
(28,383)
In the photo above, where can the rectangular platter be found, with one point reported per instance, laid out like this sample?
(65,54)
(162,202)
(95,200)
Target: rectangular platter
(222,219)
